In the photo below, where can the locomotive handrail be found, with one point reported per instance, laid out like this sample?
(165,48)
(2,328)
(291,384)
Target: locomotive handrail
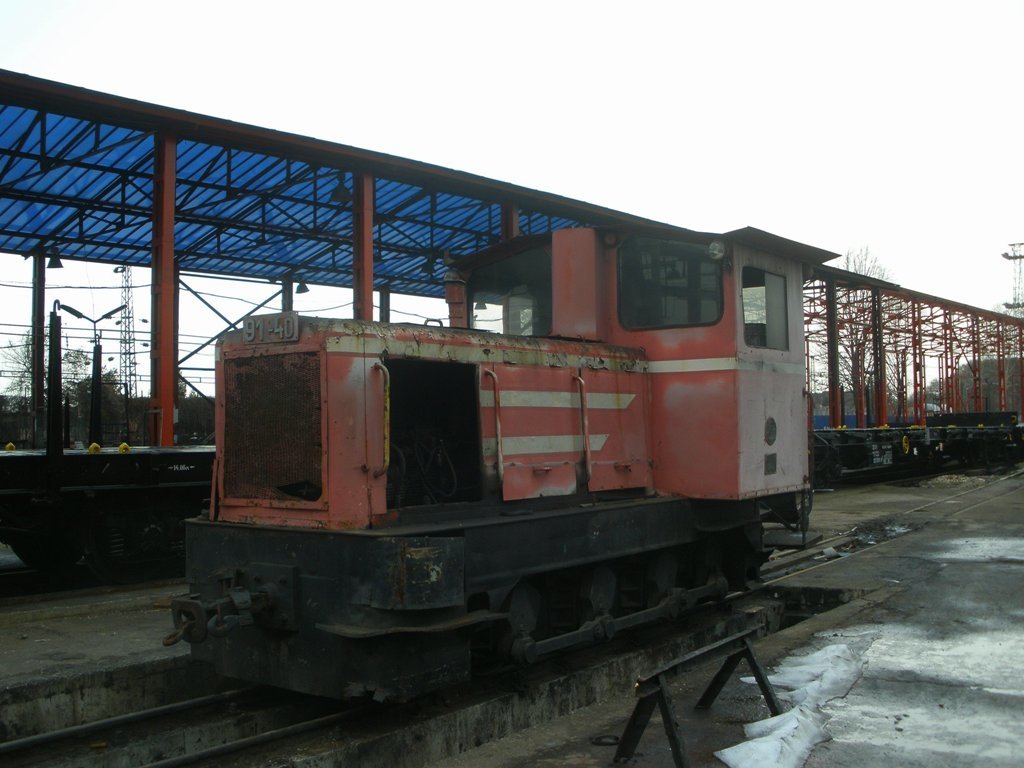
(585,423)
(497,424)
(387,419)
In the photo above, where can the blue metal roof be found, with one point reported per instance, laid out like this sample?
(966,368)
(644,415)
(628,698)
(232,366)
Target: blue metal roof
(77,168)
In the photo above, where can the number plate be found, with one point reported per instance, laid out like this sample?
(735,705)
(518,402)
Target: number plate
(266,329)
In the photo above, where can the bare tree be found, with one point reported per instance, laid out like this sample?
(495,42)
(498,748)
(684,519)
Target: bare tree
(17,364)
(16,413)
(854,317)
(863,262)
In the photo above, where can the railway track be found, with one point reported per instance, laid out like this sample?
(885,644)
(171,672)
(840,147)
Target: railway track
(183,733)
(19,582)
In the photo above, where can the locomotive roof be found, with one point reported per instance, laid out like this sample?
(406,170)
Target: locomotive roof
(76,179)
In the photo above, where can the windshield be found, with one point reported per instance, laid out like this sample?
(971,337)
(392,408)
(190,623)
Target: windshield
(513,296)
(666,283)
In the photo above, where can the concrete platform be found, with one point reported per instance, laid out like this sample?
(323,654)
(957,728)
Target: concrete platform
(87,656)
(934,612)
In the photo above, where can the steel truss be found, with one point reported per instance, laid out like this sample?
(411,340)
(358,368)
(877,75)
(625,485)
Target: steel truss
(881,348)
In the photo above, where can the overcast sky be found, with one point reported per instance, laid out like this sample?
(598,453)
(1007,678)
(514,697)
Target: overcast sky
(893,126)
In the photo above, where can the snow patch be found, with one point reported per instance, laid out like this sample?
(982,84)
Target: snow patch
(981,549)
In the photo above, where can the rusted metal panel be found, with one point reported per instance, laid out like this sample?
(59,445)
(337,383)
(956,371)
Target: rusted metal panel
(618,405)
(273,427)
(542,441)
(415,573)
(544,447)
(538,479)
(307,416)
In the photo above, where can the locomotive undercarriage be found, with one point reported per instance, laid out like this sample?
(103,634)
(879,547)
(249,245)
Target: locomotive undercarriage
(396,612)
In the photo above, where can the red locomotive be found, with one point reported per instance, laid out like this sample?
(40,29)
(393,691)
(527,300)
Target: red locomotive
(589,446)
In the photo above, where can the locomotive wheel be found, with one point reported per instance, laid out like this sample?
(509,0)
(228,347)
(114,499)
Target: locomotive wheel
(662,575)
(49,553)
(597,592)
(563,609)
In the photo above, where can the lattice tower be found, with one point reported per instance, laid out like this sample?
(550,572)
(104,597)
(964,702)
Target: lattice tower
(1016,257)
(128,363)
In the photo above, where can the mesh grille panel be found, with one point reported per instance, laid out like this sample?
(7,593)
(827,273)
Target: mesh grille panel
(272,447)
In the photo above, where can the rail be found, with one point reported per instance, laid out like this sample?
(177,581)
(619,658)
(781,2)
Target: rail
(386,462)
(585,424)
(497,423)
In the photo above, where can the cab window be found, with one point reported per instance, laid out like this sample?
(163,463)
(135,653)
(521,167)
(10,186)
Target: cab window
(764,309)
(666,283)
(513,296)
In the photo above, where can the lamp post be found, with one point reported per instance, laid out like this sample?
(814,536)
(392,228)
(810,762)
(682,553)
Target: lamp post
(96,392)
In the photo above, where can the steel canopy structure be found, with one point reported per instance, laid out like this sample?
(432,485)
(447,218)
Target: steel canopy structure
(80,172)
(95,177)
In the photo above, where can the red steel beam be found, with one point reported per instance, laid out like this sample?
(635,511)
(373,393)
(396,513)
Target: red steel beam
(362,247)
(835,393)
(509,221)
(920,380)
(1020,371)
(976,403)
(164,340)
(878,354)
(949,359)
(1001,367)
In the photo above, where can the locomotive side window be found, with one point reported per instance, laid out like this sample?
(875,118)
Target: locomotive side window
(665,284)
(764,309)
(513,296)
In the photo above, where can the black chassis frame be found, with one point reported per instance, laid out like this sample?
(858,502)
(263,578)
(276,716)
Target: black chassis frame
(385,611)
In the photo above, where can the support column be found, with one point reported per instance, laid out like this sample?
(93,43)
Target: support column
(287,294)
(164,338)
(38,343)
(835,394)
(950,382)
(1020,372)
(1001,332)
(976,400)
(878,346)
(362,247)
(920,382)
(385,304)
(509,221)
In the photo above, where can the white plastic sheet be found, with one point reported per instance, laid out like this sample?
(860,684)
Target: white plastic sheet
(785,741)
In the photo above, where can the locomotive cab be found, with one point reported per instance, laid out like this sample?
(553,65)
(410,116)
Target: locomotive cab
(718,322)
